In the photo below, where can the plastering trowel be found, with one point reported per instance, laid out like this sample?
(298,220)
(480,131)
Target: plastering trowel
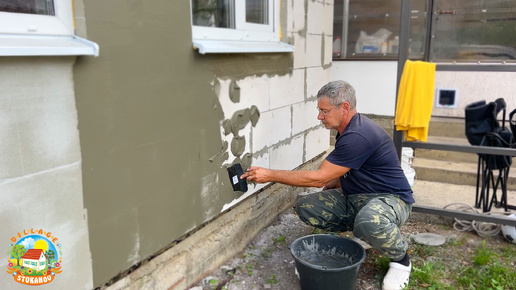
(235,171)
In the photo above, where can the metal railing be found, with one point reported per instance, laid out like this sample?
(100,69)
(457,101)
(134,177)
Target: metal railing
(398,136)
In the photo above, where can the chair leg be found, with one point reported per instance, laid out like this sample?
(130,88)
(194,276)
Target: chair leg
(484,193)
(477,193)
(503,198)
(500,182)
(490,181)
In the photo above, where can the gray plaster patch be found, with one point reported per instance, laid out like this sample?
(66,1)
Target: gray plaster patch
(222,151)
(254,115)
(239,120)
(225,156)
(226,126)
(429,239)
(246,160)
(234,92)
(238,145)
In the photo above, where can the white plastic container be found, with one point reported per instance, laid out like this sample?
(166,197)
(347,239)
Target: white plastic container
(407,156)
(394,44)
(411,176)
(337,46)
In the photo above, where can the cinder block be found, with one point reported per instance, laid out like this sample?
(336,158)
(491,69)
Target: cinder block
(328,49)
(315,79)
(251,94)
(298,90)
(316,142)
(304,116)
(299,50)
(297,11)
(328,15)
(282,91)
(287,155)
(273,127)
(315,12)
(313,48)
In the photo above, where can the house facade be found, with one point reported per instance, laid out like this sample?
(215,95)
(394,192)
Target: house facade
(120,118)
(120,130)
(34,259)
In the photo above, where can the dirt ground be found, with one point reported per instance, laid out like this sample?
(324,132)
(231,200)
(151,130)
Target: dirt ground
(267,262)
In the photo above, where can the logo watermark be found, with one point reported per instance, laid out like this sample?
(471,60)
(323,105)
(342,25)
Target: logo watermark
(34,257)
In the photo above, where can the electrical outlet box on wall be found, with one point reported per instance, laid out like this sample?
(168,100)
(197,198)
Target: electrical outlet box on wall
(446,98)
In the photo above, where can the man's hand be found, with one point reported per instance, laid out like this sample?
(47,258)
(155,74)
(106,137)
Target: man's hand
(326,173)
(257,174)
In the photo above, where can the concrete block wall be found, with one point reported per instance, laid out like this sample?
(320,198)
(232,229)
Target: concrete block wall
(287,133)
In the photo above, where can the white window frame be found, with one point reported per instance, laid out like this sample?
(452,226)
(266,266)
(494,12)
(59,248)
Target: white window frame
(23,34)
(32,24)
(245,37)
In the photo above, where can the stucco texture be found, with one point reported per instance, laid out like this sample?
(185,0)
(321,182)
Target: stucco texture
(151,129)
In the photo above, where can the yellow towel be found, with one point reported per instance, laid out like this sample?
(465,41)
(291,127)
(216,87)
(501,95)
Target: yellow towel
(415,100)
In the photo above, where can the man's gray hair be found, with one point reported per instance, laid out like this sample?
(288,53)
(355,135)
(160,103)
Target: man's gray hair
(338,92)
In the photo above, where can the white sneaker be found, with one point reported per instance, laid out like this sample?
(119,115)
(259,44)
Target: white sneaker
(397,277)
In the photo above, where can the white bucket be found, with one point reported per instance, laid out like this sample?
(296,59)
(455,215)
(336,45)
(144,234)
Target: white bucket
(407,156)
(410,174)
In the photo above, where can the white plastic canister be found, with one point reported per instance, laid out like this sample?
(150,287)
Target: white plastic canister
(407,156)
(410,175)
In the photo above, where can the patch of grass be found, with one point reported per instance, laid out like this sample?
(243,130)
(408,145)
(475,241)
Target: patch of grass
(424,251)
(214,283)
(496,276)
(458,243)
(509,253)
(488,270)
(250,269)
(248,255)
(428,276)
(483,255)
(272,280)
(279,240)
(266,253)
(381,262)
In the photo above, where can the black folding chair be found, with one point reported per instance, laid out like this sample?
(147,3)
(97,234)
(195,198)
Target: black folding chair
(483,129)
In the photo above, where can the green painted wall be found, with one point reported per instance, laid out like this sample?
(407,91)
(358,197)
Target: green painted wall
(149,123)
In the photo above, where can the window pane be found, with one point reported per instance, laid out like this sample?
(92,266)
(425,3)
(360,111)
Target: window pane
(370,29)
(474,30)
(213,13)
(44,7)
(256,11)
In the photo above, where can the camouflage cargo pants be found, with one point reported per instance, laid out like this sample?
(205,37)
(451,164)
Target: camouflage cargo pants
(374,218)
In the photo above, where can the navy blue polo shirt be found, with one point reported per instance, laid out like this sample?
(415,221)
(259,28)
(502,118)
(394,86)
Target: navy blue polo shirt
(369,152)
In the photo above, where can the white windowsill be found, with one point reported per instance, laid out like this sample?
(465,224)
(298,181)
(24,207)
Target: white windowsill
(227,46)
(42,45)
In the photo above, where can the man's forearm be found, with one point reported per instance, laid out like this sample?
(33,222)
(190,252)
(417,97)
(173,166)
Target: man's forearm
(303,178)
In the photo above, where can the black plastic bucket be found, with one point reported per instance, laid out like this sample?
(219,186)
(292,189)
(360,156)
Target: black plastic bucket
(326,262)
